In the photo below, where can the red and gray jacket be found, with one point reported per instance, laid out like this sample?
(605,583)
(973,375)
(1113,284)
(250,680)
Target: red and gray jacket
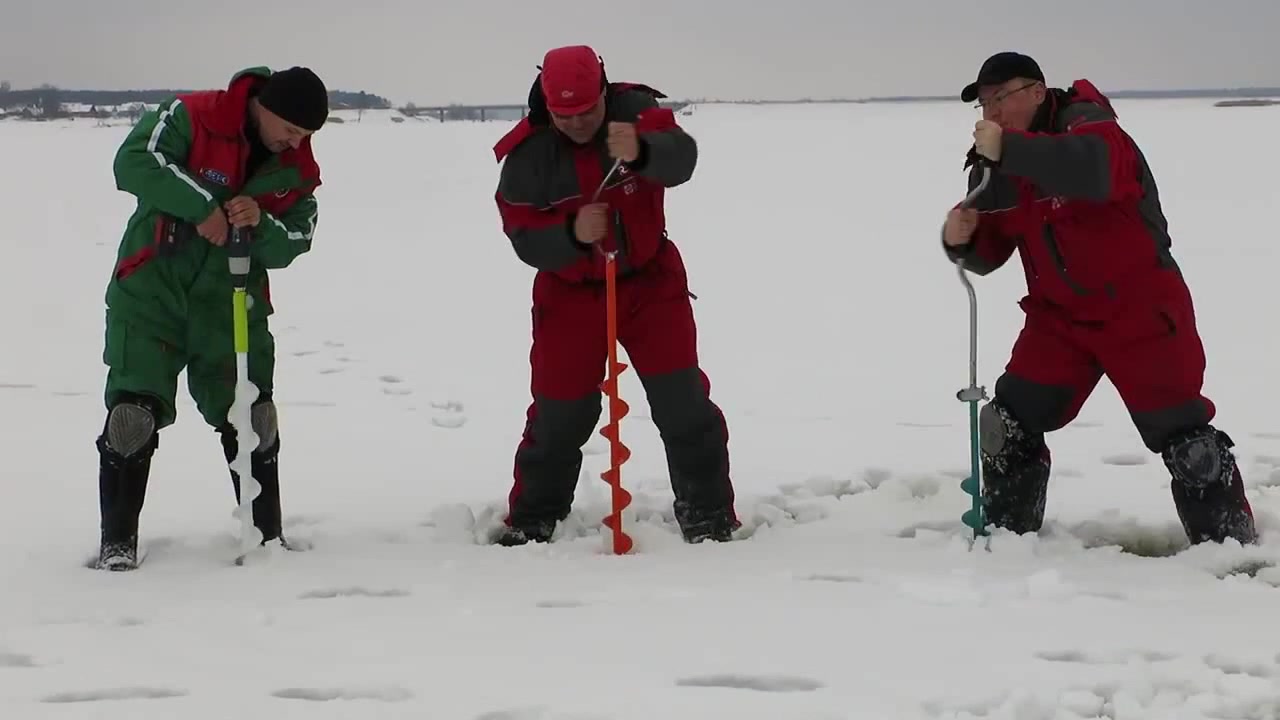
(545,179)
(1075,197)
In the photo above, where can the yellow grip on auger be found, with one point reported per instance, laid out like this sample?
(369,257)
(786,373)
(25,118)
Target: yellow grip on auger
(240,320)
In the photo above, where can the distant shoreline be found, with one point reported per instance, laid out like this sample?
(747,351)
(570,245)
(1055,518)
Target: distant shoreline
(1258,93)
(355,100)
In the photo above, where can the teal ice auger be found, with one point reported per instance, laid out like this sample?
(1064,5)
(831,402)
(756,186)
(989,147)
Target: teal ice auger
(974,518)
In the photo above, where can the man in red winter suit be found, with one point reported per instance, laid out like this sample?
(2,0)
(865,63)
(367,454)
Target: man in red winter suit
(1072,193)
(578,125)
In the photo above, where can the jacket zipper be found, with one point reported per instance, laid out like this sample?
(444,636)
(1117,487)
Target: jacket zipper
(1056,253)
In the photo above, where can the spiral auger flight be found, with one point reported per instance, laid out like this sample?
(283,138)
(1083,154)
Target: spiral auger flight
(619,498)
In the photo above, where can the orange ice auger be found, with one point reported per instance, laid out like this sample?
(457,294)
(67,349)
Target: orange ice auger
(618,453)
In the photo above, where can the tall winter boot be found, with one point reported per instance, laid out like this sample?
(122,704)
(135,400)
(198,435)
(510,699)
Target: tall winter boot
(1015,471)
(125,447)
(695,438)
(548,463)
(1208,491)
(264,464)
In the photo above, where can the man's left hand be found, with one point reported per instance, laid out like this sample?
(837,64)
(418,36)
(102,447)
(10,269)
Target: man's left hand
(243,212)
(988,139)
(624,143)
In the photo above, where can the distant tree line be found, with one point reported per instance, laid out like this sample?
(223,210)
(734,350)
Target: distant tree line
(50,99)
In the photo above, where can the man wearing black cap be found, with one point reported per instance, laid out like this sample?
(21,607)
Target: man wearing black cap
(200,164)
(1073,195)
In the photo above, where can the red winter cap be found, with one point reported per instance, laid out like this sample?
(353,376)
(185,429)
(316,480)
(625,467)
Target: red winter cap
(572,79)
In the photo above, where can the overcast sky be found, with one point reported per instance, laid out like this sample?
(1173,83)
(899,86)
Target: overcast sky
(485,51)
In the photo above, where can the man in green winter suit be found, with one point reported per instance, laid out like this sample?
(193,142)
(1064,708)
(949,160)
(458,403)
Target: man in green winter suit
(201,164)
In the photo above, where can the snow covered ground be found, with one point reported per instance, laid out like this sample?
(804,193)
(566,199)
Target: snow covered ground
(835,336)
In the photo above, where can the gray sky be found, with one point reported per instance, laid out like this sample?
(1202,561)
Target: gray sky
(485,51)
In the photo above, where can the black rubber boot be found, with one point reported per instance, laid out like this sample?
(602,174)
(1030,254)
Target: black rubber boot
(1207,488)
(699,524)
(1015,471)
(125,447)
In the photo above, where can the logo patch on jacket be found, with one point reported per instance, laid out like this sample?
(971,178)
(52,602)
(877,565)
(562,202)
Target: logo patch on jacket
(215,176)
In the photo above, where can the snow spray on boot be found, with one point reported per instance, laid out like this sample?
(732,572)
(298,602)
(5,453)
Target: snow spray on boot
(974,517)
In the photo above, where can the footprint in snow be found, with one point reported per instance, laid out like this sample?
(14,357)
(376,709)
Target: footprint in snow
(17,660)
(332,593)
(448,414)
(1065,656)
(125,693)
(390,385)
(518,714)
(1082,657)
(331,371)
(759,683)
(1125,459)
(16,386)
(385,694)
(68,393)
(535,713)
(334,344)
(303,353)
(1267,435)
(558,604)
(831,578)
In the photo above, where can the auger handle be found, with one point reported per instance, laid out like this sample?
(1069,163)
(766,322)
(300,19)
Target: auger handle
(975,516)
(973,393)
(238,256)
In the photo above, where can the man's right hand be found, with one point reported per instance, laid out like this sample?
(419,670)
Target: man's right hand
(215,227)
(961,224)
(592,223)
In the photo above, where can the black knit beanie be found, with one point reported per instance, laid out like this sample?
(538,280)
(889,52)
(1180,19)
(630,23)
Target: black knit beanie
(298,96)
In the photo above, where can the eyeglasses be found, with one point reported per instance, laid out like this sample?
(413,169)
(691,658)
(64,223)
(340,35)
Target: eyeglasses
(1000,97)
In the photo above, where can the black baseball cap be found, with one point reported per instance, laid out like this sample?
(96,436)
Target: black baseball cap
(1001,68)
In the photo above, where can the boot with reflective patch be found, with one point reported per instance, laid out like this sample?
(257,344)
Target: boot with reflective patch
(1207,488)
(125,448)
